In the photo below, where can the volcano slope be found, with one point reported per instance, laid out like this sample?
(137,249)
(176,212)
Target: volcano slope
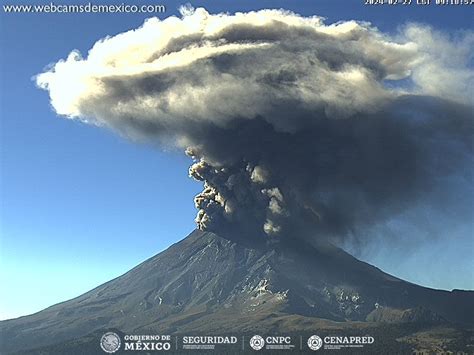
(208,284)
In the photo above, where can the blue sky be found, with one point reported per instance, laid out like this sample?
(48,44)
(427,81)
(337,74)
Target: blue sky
(80,205)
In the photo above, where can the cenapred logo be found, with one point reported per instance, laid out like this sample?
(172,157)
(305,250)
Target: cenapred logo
(110,342)
(257,342)
(315,342)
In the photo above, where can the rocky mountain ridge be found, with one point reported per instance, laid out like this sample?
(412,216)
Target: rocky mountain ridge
(209,283)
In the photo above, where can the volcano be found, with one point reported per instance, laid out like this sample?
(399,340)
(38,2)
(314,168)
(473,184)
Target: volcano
(210,284)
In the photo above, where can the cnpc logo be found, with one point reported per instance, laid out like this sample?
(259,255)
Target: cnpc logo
(257,342)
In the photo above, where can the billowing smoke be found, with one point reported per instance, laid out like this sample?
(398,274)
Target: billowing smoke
(296,127)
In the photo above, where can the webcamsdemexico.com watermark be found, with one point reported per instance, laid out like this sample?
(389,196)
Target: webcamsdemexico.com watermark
(87,8)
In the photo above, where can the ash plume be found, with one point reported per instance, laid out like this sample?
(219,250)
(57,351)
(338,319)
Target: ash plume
(295,127)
